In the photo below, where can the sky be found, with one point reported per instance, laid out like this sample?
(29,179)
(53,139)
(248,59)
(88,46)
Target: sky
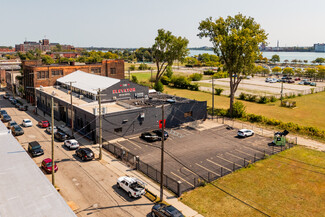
(134,23)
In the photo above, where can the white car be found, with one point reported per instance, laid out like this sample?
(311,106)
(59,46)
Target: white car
(245,133)
(27,123)
(71,144)
(133,186)
(49,129)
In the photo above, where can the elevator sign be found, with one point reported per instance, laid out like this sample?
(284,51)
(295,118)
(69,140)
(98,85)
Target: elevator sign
(125,90)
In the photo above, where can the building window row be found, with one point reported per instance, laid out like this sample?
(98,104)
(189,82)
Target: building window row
(96,70)
(57,72)
(42,74)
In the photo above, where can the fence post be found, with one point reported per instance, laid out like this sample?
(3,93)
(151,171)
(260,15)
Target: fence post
(179,188)
(244,162)
(208,176)
(233,167)
(221,172)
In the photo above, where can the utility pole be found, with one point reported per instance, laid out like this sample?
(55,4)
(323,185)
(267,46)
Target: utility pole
(281,92)
(212,98)
(71,106)
(151,77)
(52,140)
(35,100)
(100,124)
(162,153)
(129,75)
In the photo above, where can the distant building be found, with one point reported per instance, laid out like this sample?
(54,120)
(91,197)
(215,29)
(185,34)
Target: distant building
(37,74)
(319,47)
(8,66)
(43,45)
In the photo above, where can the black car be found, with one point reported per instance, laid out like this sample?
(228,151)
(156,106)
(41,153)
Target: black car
(159,134)
(35,149)
(5,118)
(17,105)
(85,154)
(17,130)
(2,112)
(61,136)
(149,136)
(23,107)
(11,123)
(164,210)
(14,101)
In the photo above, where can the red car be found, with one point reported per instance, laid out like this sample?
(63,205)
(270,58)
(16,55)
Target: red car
(47,165)
(44,124)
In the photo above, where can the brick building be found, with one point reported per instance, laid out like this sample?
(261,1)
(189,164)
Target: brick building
(36,74)
(42,45)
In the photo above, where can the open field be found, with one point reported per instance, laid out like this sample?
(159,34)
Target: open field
(287,184)
(309,111)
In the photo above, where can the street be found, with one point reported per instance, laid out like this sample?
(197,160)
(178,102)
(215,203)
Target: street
(89,186)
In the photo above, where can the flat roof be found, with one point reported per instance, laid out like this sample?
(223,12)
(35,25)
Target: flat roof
(83,103)
(24,189)
(88,82)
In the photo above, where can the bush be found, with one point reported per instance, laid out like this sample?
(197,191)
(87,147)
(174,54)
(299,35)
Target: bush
(134,79)
(263,100)
(242,96)
(132,67)
(165,80)
(196,77)
(159,86)
(208,72)
(189,65)
(251,98)
(194,87)
(299,94)
(218,91)
(169,72)
(273,99)
(220,74)
(239,110)
(143,66)
(180,82)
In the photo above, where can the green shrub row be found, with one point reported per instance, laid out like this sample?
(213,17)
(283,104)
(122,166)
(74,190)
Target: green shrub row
(180,82)
(255,98)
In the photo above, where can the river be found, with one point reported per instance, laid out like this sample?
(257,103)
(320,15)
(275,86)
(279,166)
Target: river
(309,56)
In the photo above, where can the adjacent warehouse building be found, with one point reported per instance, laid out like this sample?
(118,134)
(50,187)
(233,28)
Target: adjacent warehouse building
(127,108)
(24,189)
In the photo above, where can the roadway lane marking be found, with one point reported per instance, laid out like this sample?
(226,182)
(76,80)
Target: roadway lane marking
(133,143)
(134,137)
(207,169)
(218,165)
(182,179)
(228,161)
(122,146)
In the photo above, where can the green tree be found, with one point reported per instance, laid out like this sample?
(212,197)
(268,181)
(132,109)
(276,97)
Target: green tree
(166,49)
(310,72)
(276,69)
(275,58)
(288,71)
(236,41)
(320,60)
(134,79)
(46,59)
(321,72)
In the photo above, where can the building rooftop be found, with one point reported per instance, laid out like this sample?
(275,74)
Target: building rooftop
(24,189)
(87,81)
(83,103)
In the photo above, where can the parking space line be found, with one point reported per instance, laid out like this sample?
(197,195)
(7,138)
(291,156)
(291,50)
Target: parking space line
(245,153)
(182,179)
(235,156)
(252,149)
(218,164)
(207,169)
(122,146)
(133,143)
(228,161)
(134,137)
(190,171)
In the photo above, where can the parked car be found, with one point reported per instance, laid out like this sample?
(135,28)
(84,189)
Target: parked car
(49,129)
(312,84)
(133,186)
(17,105)
(85,154)
(149,136)
(161,209)
(5,118)
(11,123)
(71,144)
(35,149)
(307,82)
(17,130)
(14,101)
(2,112)
(11,98)
(43,124)
(23,107)
(245,133)
(290,81)
(61,136)
(268,79)
(27,123)
(6,96)
(159,134)
(47,165)
(301,82)
(248,77)
(297,79)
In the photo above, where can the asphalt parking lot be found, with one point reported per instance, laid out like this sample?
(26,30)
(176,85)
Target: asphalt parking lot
(194,154)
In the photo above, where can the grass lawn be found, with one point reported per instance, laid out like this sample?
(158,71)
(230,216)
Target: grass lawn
(310,109)
(291,183)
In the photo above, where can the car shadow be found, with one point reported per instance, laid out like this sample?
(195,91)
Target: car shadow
(123,193)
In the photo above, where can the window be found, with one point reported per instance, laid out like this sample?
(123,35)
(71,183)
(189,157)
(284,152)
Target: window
(113,71)
(42,74)
(57,72)
(188,114)
(118,130)
(96,70)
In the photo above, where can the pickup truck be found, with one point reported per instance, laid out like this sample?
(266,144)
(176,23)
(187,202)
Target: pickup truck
(133,186)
